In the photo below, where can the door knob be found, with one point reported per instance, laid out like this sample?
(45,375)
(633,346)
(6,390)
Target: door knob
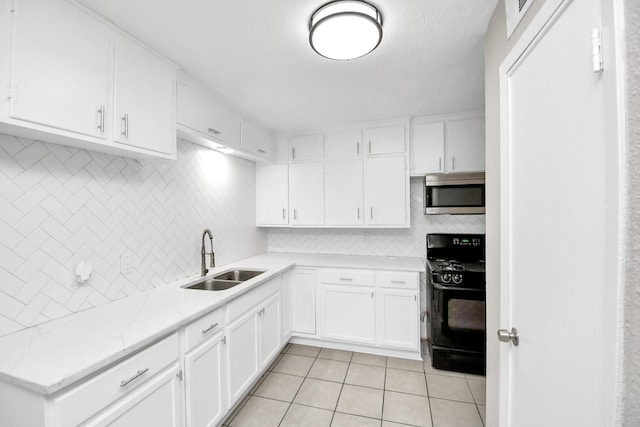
(506,336)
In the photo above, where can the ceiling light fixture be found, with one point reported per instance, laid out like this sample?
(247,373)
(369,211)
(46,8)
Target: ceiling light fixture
(345,29)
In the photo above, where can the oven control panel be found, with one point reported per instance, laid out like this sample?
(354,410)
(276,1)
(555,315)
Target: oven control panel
(462,241)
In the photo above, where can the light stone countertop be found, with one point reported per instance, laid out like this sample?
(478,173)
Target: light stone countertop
(50,356)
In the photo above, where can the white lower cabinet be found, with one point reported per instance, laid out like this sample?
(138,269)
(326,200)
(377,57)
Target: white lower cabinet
(348,313)
(397,312)
(303,301)
(269,329)
(242,354)
(205,398)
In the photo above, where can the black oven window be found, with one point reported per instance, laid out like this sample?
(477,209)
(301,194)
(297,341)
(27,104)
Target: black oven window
(466,315)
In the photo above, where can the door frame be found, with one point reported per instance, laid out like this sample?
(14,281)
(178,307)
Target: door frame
(612,28)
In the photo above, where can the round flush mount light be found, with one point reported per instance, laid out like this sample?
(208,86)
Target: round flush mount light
(345,29)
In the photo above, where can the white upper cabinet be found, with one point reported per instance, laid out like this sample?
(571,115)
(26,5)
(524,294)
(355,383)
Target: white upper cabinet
(306,147)
(77,81)
(272,194)
(384,140)
(199,111)
(385,191)
(306,193)
(257,140)
(60,68)
(343,192)
(427,148)
(343,144)
(465,145)
(144,99)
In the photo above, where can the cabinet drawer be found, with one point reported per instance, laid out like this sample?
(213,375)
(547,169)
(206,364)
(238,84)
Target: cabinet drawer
(395,279)
(95,394)
(203,328)
(347,277)
(242,304)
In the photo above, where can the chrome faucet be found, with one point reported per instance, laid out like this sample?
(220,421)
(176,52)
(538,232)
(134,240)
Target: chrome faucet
(203,253)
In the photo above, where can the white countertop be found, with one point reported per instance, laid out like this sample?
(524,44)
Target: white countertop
(53,355)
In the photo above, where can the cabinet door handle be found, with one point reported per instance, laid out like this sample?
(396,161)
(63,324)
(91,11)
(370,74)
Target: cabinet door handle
(210,327)
(439,163)
(260,150)
(398,282)
(214,131)
(125,122)
(358,148)
(293,153)
(358,213)
(295,214)
(101,123)
(224,340)
(371,294)
(415,298)
(371,212)
(369,147)
(453,163)
(346,279)
(284,212)
(136,375)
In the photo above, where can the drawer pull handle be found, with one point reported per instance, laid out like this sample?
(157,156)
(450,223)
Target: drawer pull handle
(214,131)
(346,279)
(210,327)
(261,151)
(136,375)
(398,282)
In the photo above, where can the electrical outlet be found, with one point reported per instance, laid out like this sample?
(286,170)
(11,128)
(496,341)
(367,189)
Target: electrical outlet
(126,263)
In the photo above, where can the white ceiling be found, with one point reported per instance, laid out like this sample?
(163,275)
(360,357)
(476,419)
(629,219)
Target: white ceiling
(255,53)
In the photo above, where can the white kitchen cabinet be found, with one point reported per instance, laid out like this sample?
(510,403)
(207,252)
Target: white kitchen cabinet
(306,193)
(285,294)
(272,194)
(270,326)
(144,99)
(60,68)
(157,403)
(344,192)
(343,144)
(427,148)
(243,362)
(384,140)
(306,147)
(205,392)
(397,314)
(348,313)
(465,145)
(385,191)
(303,301)
(202,117)
(257,140)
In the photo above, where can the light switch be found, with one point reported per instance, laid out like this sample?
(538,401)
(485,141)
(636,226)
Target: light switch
(126,263)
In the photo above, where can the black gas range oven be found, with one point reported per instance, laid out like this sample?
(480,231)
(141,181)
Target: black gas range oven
(457,316)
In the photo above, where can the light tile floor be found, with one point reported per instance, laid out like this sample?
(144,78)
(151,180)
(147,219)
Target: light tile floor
(312,386)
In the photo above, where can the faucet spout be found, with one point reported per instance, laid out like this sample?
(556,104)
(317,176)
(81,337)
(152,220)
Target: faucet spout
(204,253)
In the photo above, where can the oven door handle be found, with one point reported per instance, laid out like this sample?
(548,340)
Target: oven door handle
(455,288)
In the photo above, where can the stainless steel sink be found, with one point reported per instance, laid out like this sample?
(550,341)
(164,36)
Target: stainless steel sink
(239,275)
(226,280)
(214,285)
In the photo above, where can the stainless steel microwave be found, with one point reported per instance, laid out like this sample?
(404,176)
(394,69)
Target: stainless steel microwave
(459,193)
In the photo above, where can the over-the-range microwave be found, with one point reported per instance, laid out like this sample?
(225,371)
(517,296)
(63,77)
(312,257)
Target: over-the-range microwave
(454,193)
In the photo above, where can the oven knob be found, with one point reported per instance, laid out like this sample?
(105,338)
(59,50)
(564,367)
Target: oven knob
(457,278)
(446,278)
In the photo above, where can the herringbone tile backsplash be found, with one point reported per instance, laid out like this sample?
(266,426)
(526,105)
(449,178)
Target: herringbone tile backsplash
(60,206)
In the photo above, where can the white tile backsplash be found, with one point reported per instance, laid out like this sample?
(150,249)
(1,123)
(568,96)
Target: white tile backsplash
(60,206)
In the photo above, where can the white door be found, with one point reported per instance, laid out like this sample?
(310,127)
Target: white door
(272,194)
(553,220)
(427,148)
(343,192)
(397,318)
(270,326)
(306,147)
(343,144)
(60,79)
(385,140)
(242,354)
(348,313)
(144,99)
(385,185)
(204,378)
(303,301)
(306,193)
(465,145)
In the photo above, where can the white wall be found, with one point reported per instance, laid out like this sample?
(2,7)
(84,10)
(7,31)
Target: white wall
(632,306)
(60,205)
